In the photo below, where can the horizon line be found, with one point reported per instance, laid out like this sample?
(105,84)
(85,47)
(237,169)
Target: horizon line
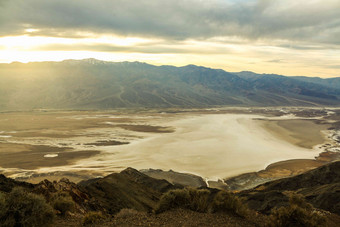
(160,65)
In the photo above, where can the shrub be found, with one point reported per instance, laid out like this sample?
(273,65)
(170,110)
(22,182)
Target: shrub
(298,213)
(62,202)
(174,199)
(199,199)
(92,218)
(299,200)
(125,212)
(2,204)
(226,201)
(2,198)
(21,208)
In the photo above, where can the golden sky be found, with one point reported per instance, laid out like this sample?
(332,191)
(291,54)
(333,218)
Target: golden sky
(288,37)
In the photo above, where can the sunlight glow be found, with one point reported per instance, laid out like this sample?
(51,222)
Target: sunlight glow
(230,54)
(26,42)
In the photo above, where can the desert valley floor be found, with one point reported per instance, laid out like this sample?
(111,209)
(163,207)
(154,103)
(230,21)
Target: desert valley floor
(213,143)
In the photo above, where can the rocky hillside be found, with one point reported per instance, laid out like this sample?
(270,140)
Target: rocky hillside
(127,189)
(93,84)
(320,187)
(131,198)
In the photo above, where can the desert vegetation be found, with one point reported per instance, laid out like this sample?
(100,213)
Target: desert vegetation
(21,208)
(228,202)
(62,202)
(298,213)
(92,217)
(126,212)
(202,200)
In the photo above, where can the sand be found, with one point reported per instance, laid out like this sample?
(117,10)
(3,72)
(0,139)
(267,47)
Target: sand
(302,132)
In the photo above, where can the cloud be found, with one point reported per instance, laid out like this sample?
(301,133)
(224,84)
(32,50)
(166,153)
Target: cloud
(334,66)
(302,46)
(275,61)
(315,21)
(151,48)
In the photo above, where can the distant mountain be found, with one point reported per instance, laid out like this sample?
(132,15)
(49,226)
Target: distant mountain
(312,87)
(331,82)
(94,84)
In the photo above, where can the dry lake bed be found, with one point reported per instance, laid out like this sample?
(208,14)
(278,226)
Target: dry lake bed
(212,143)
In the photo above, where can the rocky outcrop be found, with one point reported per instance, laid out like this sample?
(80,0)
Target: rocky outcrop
(84,202)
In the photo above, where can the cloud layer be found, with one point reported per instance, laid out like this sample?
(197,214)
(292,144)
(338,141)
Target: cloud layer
(315,21)
(291,37)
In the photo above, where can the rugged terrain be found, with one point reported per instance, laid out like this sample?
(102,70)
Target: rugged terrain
(130,197)
(93,84)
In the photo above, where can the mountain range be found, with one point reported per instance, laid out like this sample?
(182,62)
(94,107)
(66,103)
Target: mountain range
(94,84)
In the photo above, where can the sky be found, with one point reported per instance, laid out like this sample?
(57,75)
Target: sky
(288,37)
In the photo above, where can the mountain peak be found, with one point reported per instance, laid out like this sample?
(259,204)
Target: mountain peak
(91,61)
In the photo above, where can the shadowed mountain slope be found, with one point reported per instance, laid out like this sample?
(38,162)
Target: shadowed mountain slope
(331,82)
(90,83)
(127,189)
(7,184)
(320,187)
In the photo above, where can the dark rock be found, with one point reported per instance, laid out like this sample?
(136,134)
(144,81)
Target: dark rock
(82,199)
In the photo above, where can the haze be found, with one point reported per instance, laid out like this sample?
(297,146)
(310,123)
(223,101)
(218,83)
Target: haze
(287,37)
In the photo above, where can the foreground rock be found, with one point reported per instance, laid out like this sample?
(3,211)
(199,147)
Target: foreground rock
(129,197)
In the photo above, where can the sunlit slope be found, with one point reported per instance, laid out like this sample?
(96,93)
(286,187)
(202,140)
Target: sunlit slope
(95,84)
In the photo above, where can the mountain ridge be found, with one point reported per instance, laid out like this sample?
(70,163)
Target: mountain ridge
(95,84)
